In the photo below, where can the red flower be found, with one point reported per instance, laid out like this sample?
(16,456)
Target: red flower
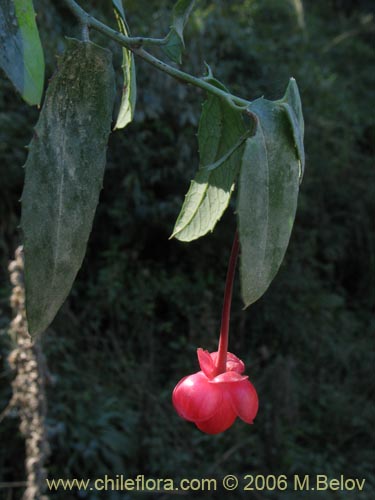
(213,401)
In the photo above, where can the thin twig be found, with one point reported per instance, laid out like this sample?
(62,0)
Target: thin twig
(135,44)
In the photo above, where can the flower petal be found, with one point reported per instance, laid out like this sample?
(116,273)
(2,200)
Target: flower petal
(221,420)
(234,364)
(244,400)
(228,377)
(195,399)
(206,362)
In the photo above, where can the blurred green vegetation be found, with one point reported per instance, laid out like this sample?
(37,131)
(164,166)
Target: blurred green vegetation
(142,304)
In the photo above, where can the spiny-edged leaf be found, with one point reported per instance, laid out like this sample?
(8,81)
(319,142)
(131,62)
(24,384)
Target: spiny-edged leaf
(267,199)
(291,103)
(175,40)
(220,128)
(21,53)
(129,92)
(64,175)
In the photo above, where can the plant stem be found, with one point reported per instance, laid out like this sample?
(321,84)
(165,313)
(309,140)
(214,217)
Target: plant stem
(221,361)
(135,44)
(187,78)
(86,18)
(190,79)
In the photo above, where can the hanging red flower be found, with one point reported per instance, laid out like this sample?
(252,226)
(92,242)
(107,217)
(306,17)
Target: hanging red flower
(213,397)
(213,400)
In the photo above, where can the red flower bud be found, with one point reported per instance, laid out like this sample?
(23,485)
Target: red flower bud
(213,401)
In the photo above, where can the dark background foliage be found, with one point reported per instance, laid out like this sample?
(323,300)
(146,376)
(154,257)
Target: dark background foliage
(142,304)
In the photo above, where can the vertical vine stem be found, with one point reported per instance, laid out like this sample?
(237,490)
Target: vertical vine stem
(225,317)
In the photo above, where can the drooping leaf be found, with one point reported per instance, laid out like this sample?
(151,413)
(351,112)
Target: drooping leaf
(220,128)
(267,198)
(117,4)
(21,53)
(64,174)
(129,92)
(175,44)
(181,13)
(228,154)
(291,103)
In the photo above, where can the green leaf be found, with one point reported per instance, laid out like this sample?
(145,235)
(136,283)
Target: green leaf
(129,93)
(64,174)
(267,199)
(174,47)
(175,40)
(117,4)
(228,154)
(220,129)
(21,54)
(291,103)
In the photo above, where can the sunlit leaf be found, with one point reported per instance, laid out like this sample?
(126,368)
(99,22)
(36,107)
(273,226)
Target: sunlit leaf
(129,92)
(64,174)
(21,53)
(221,130)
